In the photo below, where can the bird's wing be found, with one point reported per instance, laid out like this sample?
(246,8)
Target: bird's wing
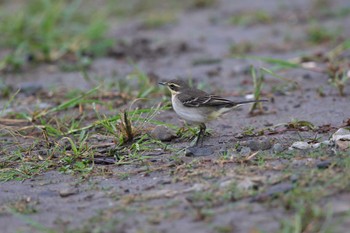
(200,98)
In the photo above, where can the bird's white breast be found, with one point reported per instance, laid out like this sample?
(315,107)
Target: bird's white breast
(191,114)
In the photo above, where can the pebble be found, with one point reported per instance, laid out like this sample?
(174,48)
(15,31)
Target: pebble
(66,192)
(341,134)
(245,151)
(30,88)
(246,184)
(198,151)
(278,148)
(105,160)
(162,133)
(305,145)
(341,138)
(294,178)
(273,191)
(255,145)
(324,164)
(300,145)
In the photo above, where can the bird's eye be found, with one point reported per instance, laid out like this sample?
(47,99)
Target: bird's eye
(172,86)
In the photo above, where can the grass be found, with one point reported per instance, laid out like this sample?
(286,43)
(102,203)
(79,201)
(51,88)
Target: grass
(323,8)
(241,48)
(63,139)
(25,206)
(24,217)
(310,215)
(23,169)
(47,30)
(308,219)
(258,80)
(333,63)
(318,34)
(126,9)
(11,97)
(302,203)
(73,153)
(338,77)
(158,19)
(251,18)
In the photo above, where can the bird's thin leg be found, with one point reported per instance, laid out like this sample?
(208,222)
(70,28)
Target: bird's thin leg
(201,134)
(202,130)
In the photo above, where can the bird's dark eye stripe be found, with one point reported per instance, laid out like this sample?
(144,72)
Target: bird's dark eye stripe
(172,86)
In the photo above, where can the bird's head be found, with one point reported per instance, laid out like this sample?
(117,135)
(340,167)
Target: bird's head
(175,86)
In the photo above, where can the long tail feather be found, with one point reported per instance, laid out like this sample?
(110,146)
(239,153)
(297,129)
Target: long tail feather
(248,102)
(251,101)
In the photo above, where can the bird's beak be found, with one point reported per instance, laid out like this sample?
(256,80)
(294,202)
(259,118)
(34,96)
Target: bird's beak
(162,83)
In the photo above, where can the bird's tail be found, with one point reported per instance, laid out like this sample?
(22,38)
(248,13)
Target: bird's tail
(248,102)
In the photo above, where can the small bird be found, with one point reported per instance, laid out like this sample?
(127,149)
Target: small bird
(197,106)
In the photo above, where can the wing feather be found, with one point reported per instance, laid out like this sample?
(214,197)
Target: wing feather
(203,99)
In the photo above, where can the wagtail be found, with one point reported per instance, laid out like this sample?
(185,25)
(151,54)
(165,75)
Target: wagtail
(197,106)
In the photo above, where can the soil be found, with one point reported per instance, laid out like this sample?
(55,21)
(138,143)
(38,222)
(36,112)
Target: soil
(162,194)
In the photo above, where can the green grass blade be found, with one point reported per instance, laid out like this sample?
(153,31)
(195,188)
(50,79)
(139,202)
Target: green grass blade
(278,62)
(270,72)
(38,226)
(12,97)
(70,103)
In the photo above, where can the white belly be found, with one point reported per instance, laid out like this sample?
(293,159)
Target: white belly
(188,113)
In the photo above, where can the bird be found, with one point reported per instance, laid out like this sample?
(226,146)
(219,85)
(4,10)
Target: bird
(197,106)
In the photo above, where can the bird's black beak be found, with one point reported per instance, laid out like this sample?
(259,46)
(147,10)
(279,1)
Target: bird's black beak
(162,83)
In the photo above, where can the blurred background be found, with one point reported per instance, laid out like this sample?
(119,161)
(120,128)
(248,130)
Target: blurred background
(49,31)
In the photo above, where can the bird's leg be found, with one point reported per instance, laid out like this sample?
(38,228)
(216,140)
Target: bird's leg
(201,134)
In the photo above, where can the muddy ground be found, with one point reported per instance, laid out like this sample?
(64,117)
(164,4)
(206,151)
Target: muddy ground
(225,186)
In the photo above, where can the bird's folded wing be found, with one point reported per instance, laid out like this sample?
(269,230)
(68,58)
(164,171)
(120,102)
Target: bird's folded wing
(205,101)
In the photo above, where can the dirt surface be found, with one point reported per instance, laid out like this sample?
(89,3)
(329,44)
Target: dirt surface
(225,186)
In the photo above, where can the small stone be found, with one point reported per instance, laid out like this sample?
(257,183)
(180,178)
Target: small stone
(341,138)
(277,148)
(105,160)
(273,191)
(96,195)
(306,145)
(343,145)
(324,164)
(341,134)
(30,88)
(252,144)
(255,145)
(198,151)
(294,178)
(340,206)
(162,133)
(326,143)
(66,192)
(300,145)
(307,76)
(48,193)
(246,184)
(164,181)
(245,151)
(279,188)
